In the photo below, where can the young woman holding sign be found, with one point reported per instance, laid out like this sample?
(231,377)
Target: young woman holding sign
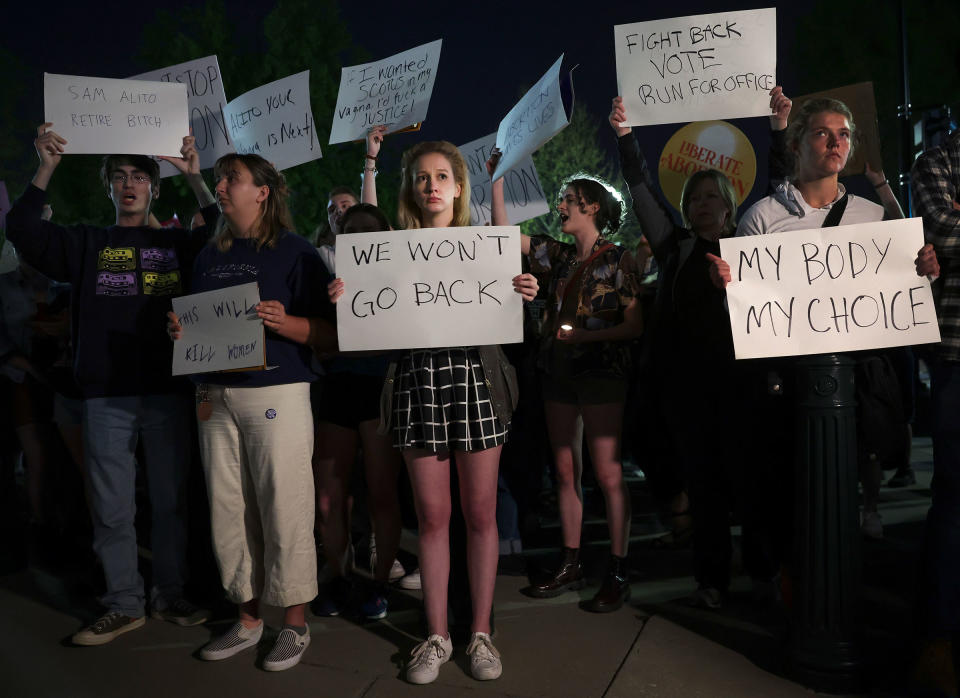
(585,358)
(256,427)
(452,401)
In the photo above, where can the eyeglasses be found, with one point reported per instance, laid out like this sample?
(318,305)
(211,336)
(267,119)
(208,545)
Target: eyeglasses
(122,179)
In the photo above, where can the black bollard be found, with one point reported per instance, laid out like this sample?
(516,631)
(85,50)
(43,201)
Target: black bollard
(826,562)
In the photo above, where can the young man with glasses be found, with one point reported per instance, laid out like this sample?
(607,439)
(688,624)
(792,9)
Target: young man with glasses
(122,278)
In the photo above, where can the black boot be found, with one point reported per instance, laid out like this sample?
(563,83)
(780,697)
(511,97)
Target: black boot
(614,590)
(568,576)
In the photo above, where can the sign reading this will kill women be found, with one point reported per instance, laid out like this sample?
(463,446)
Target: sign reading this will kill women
(221,331)
(429,287)
(697,68)
(823,290)
(103,115)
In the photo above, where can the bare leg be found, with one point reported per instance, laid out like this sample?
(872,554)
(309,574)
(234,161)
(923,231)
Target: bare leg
(382,464)
(602,425)
(249,612)
(335,455)
(566,433)
(430,479)
(295,615)
(478,497)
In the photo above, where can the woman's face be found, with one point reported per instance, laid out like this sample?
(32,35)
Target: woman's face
(236,192)
(434,186)
(707,211)
(573,219)
(825,147)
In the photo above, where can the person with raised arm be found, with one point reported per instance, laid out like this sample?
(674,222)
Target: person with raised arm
(586,362)
(452,403)
(121,277)
(256,427)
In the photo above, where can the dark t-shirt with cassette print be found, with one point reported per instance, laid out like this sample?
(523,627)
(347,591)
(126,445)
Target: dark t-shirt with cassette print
(122,280)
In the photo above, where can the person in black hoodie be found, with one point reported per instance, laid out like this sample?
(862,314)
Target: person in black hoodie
(122,279)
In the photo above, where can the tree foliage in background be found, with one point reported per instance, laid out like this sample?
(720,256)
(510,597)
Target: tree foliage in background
(578,148)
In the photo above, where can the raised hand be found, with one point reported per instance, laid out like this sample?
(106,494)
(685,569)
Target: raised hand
(780,106)
(189,164)
(49,146)
(493,161)
(618,115)
(375,138)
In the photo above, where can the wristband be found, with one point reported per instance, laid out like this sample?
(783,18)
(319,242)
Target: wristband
(884,183)
(370,157)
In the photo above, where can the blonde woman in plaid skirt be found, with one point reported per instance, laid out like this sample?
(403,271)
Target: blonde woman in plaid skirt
(453,400)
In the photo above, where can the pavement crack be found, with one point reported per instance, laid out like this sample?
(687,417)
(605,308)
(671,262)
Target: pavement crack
(626,656)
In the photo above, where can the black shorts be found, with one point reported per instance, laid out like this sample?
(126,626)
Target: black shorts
(349,398)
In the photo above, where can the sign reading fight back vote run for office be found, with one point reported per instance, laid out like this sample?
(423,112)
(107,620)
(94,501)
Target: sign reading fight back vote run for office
(394,91)
(429,287)
(221,331)
(275,121)
(697,68)
(102,115)
(816,291)
(206,99)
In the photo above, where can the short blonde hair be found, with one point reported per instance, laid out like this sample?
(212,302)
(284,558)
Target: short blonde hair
(801,122)
(408,213)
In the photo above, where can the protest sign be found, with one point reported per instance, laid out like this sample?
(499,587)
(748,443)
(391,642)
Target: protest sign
(429,287)
(815,291)
(697,68)
(394,91)
(221,331)
(866,136)
(102,115)
(522,190)
(539,115)
(206,99)
(275,121)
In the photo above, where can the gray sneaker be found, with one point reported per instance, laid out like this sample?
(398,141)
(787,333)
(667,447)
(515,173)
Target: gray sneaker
(181,612)
(411,581)
(287,650)
(236,639)
(427,658)
(484,659)
(107,627)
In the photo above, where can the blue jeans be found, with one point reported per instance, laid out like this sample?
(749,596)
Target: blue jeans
(111,428)
(940,590)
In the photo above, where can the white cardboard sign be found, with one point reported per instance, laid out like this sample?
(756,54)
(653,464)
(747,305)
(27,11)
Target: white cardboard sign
(206,99)
(697,68)
(429,287)
(535,119)
(844,288)
(394,91)
(103,115)
(221,331)
(522,190)
(275,121)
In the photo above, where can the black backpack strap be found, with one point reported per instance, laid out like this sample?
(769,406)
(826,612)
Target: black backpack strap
(836,213)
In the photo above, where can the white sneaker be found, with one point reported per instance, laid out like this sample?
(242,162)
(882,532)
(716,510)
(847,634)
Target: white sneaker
(427,657)
(287,650)
(236,639)
(396,570)
(411,581)
(872,526)
(484,659)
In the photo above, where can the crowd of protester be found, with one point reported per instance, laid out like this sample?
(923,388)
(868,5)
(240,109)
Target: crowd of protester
(609,361)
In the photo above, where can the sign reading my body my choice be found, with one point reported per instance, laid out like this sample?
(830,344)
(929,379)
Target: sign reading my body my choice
(102,115)
(429,287)
(206,100)
(698,68)
(275,121)
(845,288)
(221,331)
(394,91)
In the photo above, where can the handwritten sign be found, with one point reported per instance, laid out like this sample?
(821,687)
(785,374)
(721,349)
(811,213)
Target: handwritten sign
(429,287)
(394,91)
(101,115)
(522,190)
(221,331)
(206,99)
(534,120)
(697,68)
(829,289)
(275,121)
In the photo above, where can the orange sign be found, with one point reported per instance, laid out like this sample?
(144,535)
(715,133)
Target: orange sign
(707,145)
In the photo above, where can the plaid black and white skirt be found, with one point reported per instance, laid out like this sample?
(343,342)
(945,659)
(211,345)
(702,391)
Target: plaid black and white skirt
(441,402)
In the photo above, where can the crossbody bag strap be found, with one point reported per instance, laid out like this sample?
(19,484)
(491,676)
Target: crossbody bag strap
(836,213)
